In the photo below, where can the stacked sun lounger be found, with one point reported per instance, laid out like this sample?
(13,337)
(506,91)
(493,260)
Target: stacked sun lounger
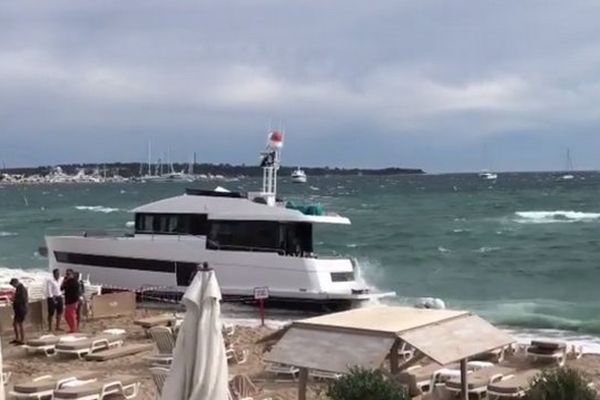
(43,387)
(82,346)
(47,343)
(556,351)
(514,386)
(126,385)
(157,320)
(164,340)
(478,381)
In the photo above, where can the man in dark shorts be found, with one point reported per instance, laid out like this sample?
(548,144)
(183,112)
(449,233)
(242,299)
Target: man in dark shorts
(20,302)
(54,299)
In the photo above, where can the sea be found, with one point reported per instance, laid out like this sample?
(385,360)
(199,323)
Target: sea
(522,251)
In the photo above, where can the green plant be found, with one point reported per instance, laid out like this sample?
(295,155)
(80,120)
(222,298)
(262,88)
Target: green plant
(561,384)
(364,384)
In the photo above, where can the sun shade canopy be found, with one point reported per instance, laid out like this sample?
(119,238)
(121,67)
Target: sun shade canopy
(364,337)
(456,339)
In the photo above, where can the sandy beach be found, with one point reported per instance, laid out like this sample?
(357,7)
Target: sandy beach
(25,366)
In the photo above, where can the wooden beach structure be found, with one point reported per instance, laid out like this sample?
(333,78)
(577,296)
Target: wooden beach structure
(366,337)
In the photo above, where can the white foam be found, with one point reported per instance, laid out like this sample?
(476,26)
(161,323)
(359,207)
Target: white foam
(8,234)
(558,216)
(101,209)
(443,249)
(130,224)
(486,249)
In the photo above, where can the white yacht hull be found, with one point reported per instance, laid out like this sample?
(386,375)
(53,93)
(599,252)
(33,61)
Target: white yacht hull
(299,179)
(162,263)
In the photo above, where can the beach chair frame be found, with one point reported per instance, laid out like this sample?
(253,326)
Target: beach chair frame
(159,376)
(44,393)
(481,391)
(97,344)
(130,391)
(282,369)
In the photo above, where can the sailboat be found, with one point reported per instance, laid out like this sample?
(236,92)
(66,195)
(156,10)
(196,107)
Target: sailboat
(486,174)
(569,168)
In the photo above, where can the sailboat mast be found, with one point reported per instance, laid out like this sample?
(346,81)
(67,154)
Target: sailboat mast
(149,157)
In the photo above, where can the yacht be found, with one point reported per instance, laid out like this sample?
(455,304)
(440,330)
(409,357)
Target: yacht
(298,176)
(252,240)
(487,175)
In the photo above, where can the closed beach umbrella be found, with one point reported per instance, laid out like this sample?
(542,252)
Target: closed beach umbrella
(199,369)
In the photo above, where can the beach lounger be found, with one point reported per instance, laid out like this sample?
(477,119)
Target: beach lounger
(422,379)
(235,356)
(157,320)
(282,369)
(324,375)
(82,346)
(44,386)
(513,386)
(46,344)
(118,352)
(96,390)
(557,351)
(242,388)
(159,376)
(165,343)
(478,381)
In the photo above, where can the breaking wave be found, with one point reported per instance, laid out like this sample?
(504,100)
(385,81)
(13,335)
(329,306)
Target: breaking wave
(101,209)
(559,216)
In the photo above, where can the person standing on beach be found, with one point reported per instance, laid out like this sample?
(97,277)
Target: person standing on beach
(71,288)
(54,299)
(20,302)
(81,296)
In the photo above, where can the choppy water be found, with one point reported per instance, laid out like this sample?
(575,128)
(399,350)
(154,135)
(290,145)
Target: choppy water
(522,252)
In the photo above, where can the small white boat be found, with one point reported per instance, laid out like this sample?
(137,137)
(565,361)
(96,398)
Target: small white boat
(569,168)
(299,176)
(489,176)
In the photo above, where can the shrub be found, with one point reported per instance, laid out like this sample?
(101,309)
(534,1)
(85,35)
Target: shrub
(364,384)
(561,384)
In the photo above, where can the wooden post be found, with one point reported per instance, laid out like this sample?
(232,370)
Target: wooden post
(302,383)
(394,359)
(464,387)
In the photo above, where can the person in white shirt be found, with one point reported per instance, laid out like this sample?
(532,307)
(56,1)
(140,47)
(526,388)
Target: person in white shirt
(54,299)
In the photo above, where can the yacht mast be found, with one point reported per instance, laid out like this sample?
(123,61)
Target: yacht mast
(271,160)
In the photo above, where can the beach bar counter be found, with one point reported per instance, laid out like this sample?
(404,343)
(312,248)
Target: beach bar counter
(366,337)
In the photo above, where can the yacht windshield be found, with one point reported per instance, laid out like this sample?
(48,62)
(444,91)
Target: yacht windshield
(293,239)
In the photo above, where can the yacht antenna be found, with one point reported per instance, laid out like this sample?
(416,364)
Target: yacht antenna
(271,160)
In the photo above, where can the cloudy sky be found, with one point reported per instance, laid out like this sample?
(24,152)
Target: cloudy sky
(443,85)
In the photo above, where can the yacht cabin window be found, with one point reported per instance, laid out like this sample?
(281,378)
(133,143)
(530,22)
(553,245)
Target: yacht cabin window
(171,224)
(293,239)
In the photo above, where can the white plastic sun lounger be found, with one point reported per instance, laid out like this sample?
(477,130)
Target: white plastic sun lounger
(282,369)
(126,385)
(159,376)
(235,356)
(557,351)
(513,386)
(81,346)
(47,343)
(478,381)
(324,375)
(165,343)
(43,387)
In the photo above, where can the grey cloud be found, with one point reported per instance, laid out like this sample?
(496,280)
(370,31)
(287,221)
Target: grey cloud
(425,83)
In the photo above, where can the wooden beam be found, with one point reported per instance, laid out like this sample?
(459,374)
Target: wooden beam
(464,387)
(394,358)
(302,383)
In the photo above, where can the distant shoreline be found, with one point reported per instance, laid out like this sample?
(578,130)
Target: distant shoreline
(132,169)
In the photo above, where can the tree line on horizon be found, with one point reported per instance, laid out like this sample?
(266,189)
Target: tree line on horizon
(133,169)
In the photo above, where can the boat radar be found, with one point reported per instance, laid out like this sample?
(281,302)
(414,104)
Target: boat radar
(271,160)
